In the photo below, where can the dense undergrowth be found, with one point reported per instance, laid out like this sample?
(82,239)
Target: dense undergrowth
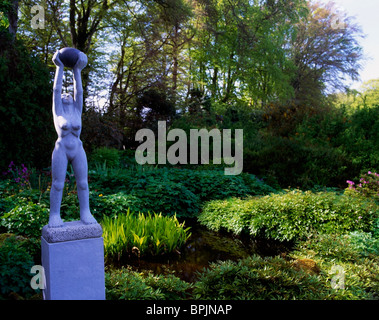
(329,229)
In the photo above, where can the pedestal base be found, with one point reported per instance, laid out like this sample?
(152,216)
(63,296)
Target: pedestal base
(74,270)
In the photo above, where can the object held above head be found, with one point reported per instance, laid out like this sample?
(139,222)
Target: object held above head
(69,56)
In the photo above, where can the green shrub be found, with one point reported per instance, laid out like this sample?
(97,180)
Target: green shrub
(375,228)
(114,204)
(105,156)
(368,185)
(10,196)
(207,184)
(355,253)
(25,91)
(297,162)
(125,284)
(70,207)
(150,234)
(328,247)
(171,286)
(15,265)
(232,214)
(361,137)
(26,219)
(257,278)
(167,197)
(10,202)
(214,184)
(177,191)
(154,189)
(291,215)
(364,243)
(295,215)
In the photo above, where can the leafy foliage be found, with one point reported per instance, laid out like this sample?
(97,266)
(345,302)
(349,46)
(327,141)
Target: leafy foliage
(291,215)
(210,184)
(27,219)
(164,195)
(15,265)
(170,191)
(105,156)
(356,253)
(368,185)
(260,278)
(25,103)
(280,278)
(114,204)
(125,284)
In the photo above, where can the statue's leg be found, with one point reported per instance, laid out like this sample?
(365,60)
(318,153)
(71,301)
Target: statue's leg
(80,166)
(58,171)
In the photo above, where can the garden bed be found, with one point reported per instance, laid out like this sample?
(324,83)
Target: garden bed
(246,243)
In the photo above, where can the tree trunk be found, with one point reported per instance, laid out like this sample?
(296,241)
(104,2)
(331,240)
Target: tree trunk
(175,51)
(13,19)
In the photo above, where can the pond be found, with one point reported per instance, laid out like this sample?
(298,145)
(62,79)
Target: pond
(206,246)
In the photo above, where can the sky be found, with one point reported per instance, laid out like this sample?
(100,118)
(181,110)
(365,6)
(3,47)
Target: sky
(366,13)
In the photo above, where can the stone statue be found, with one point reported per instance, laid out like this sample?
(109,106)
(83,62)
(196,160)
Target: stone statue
(67,113)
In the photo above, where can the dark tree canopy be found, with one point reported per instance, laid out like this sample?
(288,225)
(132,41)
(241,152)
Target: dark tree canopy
(217,63)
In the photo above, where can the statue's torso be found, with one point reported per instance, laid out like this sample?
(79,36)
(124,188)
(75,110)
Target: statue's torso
(68,126)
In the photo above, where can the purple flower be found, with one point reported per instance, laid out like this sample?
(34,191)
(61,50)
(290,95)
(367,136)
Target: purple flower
(369,172)
(350,182)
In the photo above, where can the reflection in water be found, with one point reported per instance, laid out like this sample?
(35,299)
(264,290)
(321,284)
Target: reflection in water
(204,247)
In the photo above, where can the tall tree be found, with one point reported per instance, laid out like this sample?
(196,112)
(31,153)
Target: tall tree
(326,52)
(240,50)
(175,18)
(25,104)
(71,23)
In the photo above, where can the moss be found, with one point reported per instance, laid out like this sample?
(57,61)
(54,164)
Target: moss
(4,236)
(308,265)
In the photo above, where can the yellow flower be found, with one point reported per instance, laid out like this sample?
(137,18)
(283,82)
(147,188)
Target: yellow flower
(100,195)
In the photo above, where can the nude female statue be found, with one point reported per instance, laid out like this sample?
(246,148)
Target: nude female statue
(67,113)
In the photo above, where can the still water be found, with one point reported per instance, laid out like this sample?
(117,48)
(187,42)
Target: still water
(205,246)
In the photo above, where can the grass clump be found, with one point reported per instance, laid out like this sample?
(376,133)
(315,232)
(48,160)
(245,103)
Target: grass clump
(142,234)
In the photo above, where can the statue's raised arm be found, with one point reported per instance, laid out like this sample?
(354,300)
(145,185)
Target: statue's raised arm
(67,113)
(78,88)
(57,89)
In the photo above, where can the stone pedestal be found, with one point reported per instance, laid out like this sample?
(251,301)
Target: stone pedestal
(73,259)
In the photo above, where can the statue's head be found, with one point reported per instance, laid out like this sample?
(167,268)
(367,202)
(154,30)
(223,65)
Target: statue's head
(67,98)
